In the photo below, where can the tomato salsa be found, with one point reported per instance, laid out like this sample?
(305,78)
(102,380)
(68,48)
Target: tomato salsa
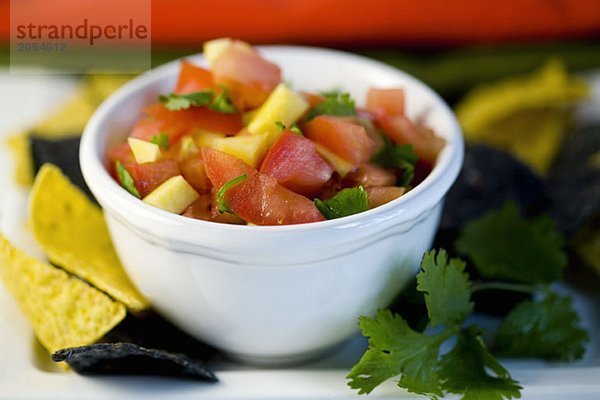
(235,144)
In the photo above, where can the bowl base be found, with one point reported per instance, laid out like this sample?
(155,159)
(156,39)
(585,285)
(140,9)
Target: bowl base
(287,360)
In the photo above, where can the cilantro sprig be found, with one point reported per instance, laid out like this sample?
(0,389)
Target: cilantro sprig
(126,180)
(161,139)
(345,202)
(500,244)
(294,128)
(396,349)
(221,201)
(335,103)
(204,98)
(402,157)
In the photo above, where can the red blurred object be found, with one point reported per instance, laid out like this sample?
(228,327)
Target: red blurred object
(432,22)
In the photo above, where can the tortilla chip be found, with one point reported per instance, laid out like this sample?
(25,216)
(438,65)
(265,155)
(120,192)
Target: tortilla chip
(527,116)
(63,310)
(20,148)
(72,232)
(133,359)
(68,121)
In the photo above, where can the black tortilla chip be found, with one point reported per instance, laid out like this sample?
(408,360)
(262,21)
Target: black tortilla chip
(64,153)
(575,181)
(132,359)
(150,330)
(489,177)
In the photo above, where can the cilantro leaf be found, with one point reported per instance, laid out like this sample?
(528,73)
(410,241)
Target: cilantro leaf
(294,128)
(280,125)
(394,348)
(161,139)
(548,329)
(345,202)
(399,157)
(176,102)
(464,370)
(222,103)
(503,245)
(447,288)
(223,206)
(335,103)
(126,180)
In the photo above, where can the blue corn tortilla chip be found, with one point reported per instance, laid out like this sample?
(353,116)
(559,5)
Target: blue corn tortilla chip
(132,359)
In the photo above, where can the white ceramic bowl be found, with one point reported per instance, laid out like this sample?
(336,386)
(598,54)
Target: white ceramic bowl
(284,293)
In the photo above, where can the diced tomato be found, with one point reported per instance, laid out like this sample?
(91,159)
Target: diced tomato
(149,176)
(422,170)
(293,160)
(403,131)
(222,167)
(262,201)
(247,75)
(341,135)
(178,123)
(379,195)
(259,199)
(313,99)
(204,209)
(193,78)
(222,217)
(192,169)
(121,152)
(368,175)
(146,127)
(385,102)
(200,209)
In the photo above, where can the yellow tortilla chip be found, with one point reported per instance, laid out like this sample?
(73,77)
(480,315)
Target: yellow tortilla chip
(20,148)
(72,232)
(64,311)
(527,116)
(67,121)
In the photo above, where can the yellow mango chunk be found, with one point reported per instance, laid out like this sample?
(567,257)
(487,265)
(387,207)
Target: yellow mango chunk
(342,166)
(173,195)
(249,148)
(283,105)
(143,151)
(207,138)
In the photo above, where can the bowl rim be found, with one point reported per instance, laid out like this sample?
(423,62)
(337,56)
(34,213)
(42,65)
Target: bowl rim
(102,185)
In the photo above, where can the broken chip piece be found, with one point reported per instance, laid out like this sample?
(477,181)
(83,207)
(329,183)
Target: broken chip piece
(129,358)
(63,311)
(72,232)
(64,153)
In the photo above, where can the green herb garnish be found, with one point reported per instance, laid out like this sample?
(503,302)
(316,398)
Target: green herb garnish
(402,157)
(396,349)
(335,103)
(280,125)
(546,328)
(126,180)
(161,139)
(176,102)
(223,206)
(503,245)
(204,98)
(294,128)
(345,202)
(222,103)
